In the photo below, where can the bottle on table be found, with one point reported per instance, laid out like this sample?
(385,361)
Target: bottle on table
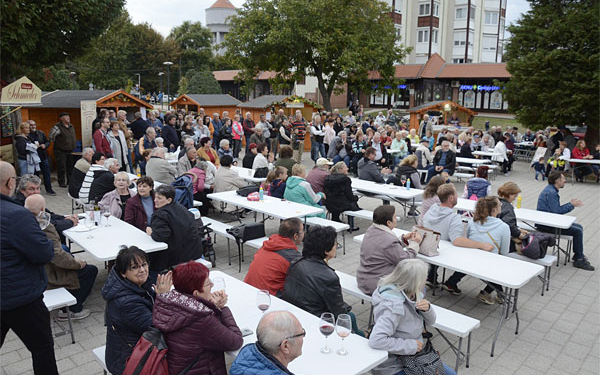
(519,201)
(261,193)
(408,184)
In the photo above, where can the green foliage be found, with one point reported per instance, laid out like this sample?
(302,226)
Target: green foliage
(56,77)
(337,41)
(124,50)
(199,82)
(46,32)
(224,63)
(194,41)
(553,57)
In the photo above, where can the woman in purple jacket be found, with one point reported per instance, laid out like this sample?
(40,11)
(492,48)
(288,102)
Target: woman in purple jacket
(196,324)
(141,207)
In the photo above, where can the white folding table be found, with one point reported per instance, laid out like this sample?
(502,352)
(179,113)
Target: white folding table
(472,161)
(581,161)
(511,273)
(248,174)
(106,242)
(361,357)
(392,191)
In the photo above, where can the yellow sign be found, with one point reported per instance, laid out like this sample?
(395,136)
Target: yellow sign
(21,92)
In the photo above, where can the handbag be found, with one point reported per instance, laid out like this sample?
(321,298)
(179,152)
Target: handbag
(430,241)
(244,191)
(243,233)
(425,362)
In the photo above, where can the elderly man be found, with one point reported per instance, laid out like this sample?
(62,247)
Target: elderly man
(340,148)
(280,337)
(187,143)
(187,161)
(299,129)
(317,137)
(159,169)
(64,270)
(97,162)
(24,250)
(104,180)
(138,126)
(226,178)
(64,138)
(81,168)
(271,262)
(39,137)
(249,128)
(443,161)
(316,176)
(367,168)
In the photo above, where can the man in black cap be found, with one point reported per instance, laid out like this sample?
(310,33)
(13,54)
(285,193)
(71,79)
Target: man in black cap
(64,138)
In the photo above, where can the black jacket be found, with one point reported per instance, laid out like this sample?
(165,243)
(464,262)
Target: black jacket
(104,181)
(465,151)
(41,138)
(138,127)
(248,160)
(507,214)
(170,137)
(176,226)
(314,287)
(338,189)
(21,142)
(409,172)
(75,183)
(450,161)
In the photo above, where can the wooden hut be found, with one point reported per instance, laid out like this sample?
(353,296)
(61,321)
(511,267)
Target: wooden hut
(446,107)
(212,103)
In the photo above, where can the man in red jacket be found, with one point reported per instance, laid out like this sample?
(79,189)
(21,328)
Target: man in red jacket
(272,260)
(101,141)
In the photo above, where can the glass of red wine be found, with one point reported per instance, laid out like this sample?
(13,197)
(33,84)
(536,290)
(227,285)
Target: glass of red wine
(263,300)
(343,327)
(326,326)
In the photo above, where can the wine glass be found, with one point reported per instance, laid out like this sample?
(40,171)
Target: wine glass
(263,300)
(218,284)
(403,180)
(89,222)
(106,214)
(386,176)
(326,326)
(343,327)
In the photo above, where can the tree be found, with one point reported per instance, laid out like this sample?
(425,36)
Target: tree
(337,41)
(55,77)
(46,32)
(194,41)
(199,82)
(553,58)
(124,50)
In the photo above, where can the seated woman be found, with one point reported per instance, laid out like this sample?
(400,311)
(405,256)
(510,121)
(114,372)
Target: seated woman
(398,145)
(408,169)
(399,310)
(276,182)
(140,207)
(207,152)
(199,188)
(116,201)
(286,158)
(224,149)
(430,195)
(310,283)
(359,146)
(340,198)
(382,249)
(298,190)
(129,293)
(174,224)
(197,326)
(487,228)
(582,170)
(478,186)
(263,162)
(507,194)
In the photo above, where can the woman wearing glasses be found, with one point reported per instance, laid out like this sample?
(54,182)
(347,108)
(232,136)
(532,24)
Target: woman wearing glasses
(195,322)
(129,293)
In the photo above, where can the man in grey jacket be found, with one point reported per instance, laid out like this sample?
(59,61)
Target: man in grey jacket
(442,218)
(368,169)
(158,168)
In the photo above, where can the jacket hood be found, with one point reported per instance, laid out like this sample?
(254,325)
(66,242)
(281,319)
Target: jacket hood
(116,286)
(490,224)
(438,212)
(391,295)
(277,242)
(293,181)
(336,178)
(175,310)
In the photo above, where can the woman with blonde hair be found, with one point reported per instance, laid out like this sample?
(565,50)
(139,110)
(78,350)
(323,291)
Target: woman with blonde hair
(27,155)
(400,309)
(487,228)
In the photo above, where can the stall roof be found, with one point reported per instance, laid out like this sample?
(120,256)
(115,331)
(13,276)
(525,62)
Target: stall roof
(72,98)
(209,100)
(230,75)
(263,101)
(439,104)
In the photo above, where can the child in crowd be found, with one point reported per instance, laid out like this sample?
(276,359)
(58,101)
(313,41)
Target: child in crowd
(539,168)
(555,163)
(275,183)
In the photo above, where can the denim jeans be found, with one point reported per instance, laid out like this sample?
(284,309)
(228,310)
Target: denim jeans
(432,172)
(447,369)
(316,149)
(45,170)
(22,167)
(346,159)
(575,230)
(129,161)
(237,145)
(87,276)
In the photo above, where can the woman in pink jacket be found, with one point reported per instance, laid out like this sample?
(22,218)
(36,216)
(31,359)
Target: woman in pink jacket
(199,188)
(237,132)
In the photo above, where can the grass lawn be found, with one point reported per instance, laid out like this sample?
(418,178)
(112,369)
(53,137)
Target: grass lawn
(479,123)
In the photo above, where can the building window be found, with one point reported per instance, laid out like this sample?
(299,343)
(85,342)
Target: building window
(461,13)
(460,38)
(489,43)
(472,12)
(434,36)
(424,9)
(398,33)
(491,18)
(423,36)
(398,6)
(471,38)
(436,9)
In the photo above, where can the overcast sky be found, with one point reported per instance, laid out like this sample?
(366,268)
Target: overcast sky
(163,15)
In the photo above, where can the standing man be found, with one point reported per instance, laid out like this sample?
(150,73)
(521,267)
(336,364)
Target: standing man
(39,137)
(317,135)
(25,250)
(248,126)
(299,129)
(549,201)
(216,123)
(64,138)
(101,141)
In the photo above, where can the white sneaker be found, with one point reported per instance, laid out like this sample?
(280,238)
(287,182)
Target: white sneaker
(63,317)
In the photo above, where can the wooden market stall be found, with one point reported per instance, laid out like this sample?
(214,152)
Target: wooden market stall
(212,103)
(289,104)
(446,107)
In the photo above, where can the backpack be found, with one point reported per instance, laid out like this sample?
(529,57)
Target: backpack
(149,356)
(535,245)
(184,193)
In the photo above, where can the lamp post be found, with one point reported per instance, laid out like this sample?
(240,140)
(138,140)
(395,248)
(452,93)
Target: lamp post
(139,85)
(160,75)
(168,65)
(73,80)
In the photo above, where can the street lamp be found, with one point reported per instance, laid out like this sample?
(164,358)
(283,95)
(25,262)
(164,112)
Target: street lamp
(161,74)
(73,79)
(139,85)
(168,65)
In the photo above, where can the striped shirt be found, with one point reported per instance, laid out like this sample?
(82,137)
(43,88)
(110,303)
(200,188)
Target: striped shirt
(300,127)
(84,192)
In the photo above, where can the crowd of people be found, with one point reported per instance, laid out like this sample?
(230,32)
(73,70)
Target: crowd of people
(171,292)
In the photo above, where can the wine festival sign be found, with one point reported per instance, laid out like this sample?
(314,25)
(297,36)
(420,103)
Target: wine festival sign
(21,92)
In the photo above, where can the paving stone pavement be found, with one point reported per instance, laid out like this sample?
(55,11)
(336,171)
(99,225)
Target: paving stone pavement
(559,332)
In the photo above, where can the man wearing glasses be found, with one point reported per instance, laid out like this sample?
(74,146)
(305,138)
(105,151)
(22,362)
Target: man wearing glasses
(280,337)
